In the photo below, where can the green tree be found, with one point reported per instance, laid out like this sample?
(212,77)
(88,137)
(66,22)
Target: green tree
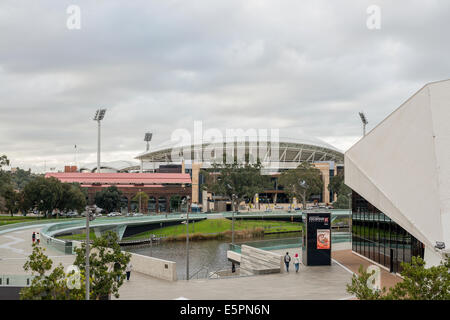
(107,263)
(4,161)
(338,186)
(11,198)
(43,193)
(20,178)
(291,182)
(175,202)
(241,180)
(342,202)
(108,198)
(72,198)
(48,284)
(419,283)
(141,198)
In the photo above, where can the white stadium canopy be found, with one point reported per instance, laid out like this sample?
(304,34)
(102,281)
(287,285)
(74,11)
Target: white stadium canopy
(402,167)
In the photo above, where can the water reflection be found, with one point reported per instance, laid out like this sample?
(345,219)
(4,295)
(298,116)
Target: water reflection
(211,254)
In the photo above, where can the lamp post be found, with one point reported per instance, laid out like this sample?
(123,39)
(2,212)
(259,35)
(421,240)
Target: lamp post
(147,138)
(186,201)
(364,122)
(88,213)
(233,200)
(99,115)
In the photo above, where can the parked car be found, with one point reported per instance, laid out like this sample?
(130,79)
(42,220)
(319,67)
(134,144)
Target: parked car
(138,214)
(111,214)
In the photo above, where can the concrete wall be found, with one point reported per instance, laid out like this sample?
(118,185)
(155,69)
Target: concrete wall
(258,261)
(154,267)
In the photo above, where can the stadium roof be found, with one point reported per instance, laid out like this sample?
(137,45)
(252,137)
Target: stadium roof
(120,165)
(290,149)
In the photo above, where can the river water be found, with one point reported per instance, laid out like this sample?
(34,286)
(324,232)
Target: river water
(211,255)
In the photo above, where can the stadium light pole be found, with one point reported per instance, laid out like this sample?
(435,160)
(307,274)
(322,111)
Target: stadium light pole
(99,115)
(147,138)
(364,122)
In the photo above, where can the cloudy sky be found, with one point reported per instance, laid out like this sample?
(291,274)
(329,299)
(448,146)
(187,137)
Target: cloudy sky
(305,67)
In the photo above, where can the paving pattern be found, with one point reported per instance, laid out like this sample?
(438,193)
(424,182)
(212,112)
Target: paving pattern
(328,282)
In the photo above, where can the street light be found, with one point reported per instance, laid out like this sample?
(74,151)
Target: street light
(186,201)
(99,115)
(147,138)
(364,121)
(233,200)
(88,217)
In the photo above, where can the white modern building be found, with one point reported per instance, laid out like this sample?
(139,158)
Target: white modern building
(400,173)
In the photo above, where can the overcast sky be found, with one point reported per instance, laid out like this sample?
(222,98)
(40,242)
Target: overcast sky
(305,67)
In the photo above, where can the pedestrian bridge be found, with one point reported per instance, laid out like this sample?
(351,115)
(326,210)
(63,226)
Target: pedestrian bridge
(127,226)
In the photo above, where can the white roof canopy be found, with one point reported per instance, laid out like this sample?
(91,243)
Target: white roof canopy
(402,166)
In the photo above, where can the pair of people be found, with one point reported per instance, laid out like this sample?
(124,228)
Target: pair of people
(35,237)
(128,269)
(287,261)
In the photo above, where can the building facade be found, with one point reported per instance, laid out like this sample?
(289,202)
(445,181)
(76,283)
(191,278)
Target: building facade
(378,238)
(165,191)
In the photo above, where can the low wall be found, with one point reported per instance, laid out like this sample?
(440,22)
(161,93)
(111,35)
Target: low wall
(154,267)
(258,261)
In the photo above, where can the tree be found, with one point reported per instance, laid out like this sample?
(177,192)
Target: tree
(338,186)
(43,193)
(45,285)
(237,181)
(3,161)
(342,202)
(20,178)
(108,199)
(291,181)
(141,198)
(419,283)
(107,263)
(10,197)
(72,198)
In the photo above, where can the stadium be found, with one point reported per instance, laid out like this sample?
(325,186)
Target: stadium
(276,155)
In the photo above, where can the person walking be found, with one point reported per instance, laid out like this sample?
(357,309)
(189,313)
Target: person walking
(116,268)
(296,262)
(33,237)
(287,260)
(38,238)
(128,270)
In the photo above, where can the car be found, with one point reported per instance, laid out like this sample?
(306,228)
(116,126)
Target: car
(111,214)
(278,207)
(138,214)
(98,215)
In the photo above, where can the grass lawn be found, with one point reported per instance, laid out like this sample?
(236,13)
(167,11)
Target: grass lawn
(4,220)
(209,226)
(81,236)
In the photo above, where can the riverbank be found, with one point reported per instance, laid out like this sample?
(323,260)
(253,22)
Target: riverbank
(220,229)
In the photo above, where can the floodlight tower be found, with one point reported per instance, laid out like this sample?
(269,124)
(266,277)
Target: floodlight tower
(99,115)
(147,138)
(364,121)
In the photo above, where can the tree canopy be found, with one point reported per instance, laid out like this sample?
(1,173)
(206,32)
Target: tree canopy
(107,263)
(419,283)
(108,198)
(241,180)
(291,179)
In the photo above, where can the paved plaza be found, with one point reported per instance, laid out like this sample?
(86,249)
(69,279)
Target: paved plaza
(309,283)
